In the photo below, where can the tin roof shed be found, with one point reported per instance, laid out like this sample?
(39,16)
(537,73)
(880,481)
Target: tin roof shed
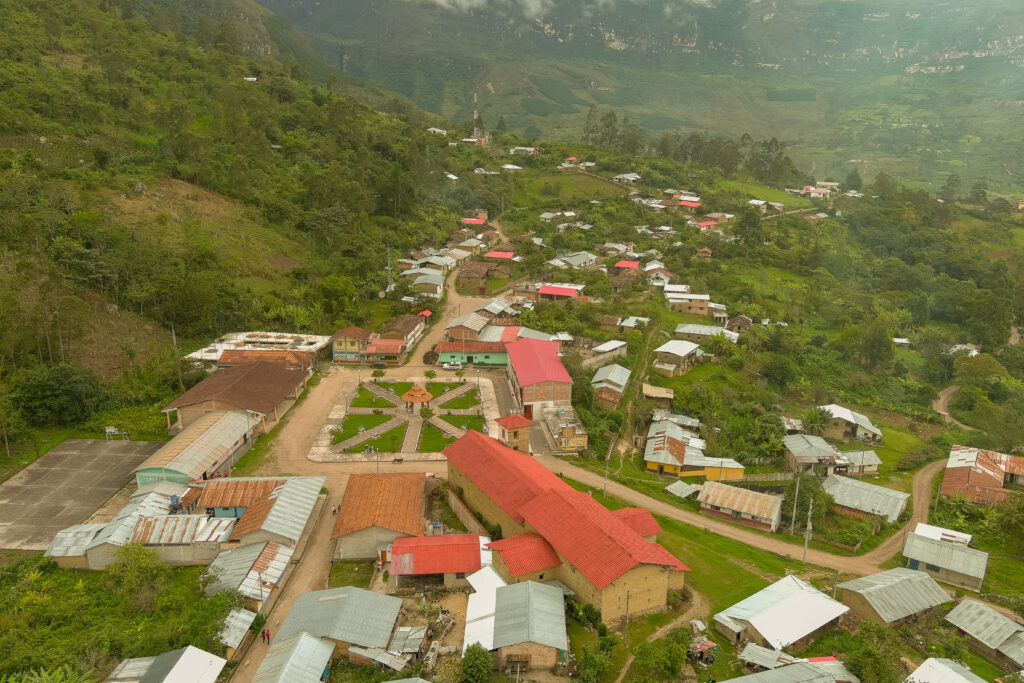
(530,612)
(991,628)
(236,625)
(860,495)
(299,658)
(347,614)
(898,593)
(952,556)
(941,670)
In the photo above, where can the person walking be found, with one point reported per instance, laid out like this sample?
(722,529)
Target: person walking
(268,636)
(263,636)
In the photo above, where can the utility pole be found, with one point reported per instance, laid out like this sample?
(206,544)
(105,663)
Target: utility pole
(810,527)
(796,496)
(627,617)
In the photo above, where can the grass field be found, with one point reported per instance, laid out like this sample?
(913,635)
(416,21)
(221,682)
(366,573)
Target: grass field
(433,440)
(388,442)
(351,424)
(467,400)
(356,573)
(474,422)
(364,399)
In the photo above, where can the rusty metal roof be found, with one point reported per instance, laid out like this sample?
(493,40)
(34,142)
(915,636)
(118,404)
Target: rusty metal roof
(752,503)
(181,529)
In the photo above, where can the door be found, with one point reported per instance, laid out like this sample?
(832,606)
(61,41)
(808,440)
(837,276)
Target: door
(469,359)
(914,564)
(383,556)
(528,412)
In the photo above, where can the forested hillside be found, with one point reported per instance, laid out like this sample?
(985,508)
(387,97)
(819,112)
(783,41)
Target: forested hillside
(917,89)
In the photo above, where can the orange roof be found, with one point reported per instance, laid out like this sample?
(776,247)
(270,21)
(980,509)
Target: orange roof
(384,346)
(526,553)
(258,387)
(513,421)
(390,501)
(417,394)
(253,518)
(279,356)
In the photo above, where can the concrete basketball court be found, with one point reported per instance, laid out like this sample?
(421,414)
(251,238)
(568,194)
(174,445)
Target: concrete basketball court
(64,487)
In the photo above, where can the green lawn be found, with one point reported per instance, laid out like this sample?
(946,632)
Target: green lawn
(357,573)
(398,388)
(467,400)
(433,440)
(769,195)
(474,422)
(364,399)
(448,517)
(351,424)
(388,442)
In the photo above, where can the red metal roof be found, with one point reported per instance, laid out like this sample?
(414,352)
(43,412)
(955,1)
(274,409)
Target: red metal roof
(384,346)
(425,313)
(500,254)
(639,520)
(506,476)
(419,555)
(570,158)
(469,347)
(559,291)
(705,224)
(535,361)
(526,553)
(692,205)
(513,421)
(473,221)
(591,538)
(632,265)
(510,333)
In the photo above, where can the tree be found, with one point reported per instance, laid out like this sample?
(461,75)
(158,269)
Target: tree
(779,369)
(476,664)
(748,228)
(809,489)
(876,345)
(877,657)
(1010,522)
(885,186)
(590,125)
(853,180)
(951,190)
(979,192)
(532,132)
(430,374)
(978,371)
(426,413)
(62,394)
(500,127)
(816,421)
(608,129)
(378,374)
(593,665)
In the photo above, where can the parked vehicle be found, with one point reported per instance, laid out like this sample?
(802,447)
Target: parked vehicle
(454,365)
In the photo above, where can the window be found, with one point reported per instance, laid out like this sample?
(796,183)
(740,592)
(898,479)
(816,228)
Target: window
(540,577)
(460,575)
(931,567)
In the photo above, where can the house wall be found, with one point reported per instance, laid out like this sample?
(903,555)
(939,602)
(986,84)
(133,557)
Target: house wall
(186,554)
(948,576)
(861,470)
(713,473)
(662,469)
(478,501)
(840,430)
(860,606)
(549,574)
(365,543)
(462,333)
(542,657)
(602,359)
(102,556)
(477,358)
(72,562)
(684,364)
(754,522)
(851,512)
(346,349)
(650,584)
(261,535)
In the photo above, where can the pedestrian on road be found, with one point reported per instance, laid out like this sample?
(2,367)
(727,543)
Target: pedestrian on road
(263,636)
(334,510)
(268,636)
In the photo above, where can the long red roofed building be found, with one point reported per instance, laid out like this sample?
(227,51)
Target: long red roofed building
(537,375)
(601,555)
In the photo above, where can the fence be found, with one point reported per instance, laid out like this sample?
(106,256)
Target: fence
(765,476)
(465,515)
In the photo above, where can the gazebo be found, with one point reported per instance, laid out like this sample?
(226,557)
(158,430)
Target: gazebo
(416,395)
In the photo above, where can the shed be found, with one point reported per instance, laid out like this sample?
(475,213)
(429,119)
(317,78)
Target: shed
(941,670)
(750,508)
(441,558)
(849,425)
(236,627)
(953,563)
(613,376)
(860,498)
(254,570)
(892,595)
(681,489)
(177,666)
(996,636)
(805,452)
(863,462)
(813,670)
(529,626)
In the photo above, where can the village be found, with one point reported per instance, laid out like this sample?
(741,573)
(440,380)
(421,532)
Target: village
(470,477)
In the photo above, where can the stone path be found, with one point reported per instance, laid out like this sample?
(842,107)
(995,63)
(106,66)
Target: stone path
(447,427)
(412,434)
(386,394)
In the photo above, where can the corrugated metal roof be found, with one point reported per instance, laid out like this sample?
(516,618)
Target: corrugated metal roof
(809,449)
(236,625)
(530,612)
(803,672)
(765,657)
(480,608)
(130,670)
(851,416)
(187,664)
(952,556)
(860,495)
(707,331)
(983,623)
(293,504)
(347,614)
(202,445)
(301,658)
(682,489)
(898,593)
(941,670)
(73,541)
(749,502)
(253,570)
(940,534)
(381,656)
(473,321)
(677,347)
(786,611)
(120,530)
(181,529)
(862,458)
(408,639)
(613,375)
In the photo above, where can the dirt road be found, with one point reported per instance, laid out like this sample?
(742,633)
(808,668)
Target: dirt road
(865,564)
(941,406)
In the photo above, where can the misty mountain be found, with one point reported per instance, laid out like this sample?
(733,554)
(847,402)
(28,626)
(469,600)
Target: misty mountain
(900,84)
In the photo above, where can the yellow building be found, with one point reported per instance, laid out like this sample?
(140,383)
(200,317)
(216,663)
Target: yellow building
(347,343)
(678,451)
(553,532)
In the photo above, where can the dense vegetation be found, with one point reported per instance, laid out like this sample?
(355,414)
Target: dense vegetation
(92,620)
